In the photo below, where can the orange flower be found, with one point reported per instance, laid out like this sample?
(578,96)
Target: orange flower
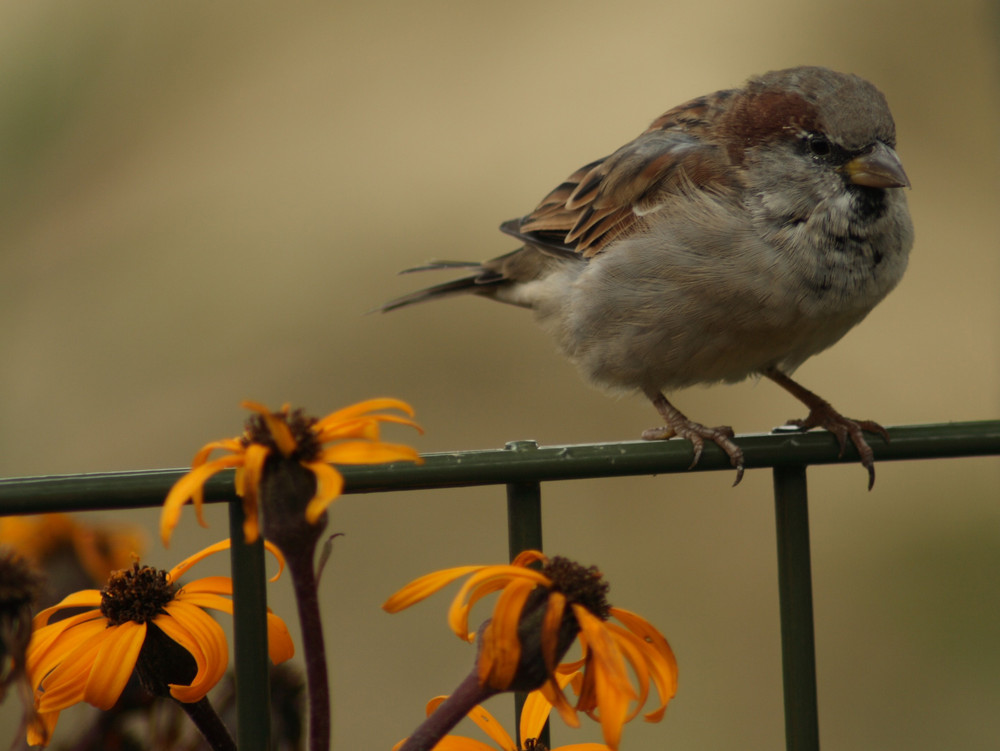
(90,656)
(527,635)
(98,549)
(352,431)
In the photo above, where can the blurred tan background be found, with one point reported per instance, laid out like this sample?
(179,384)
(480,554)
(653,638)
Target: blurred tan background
(199,202)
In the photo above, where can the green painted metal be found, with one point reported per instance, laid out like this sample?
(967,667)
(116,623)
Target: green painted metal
(524,532)
(524,509)
(253,694)
(522,466)
(798,647)
(119,490)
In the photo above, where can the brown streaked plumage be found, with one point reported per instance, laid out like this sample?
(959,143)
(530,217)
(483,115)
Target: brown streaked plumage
(740,234)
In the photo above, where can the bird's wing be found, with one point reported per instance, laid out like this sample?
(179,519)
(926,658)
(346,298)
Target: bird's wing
(607,199)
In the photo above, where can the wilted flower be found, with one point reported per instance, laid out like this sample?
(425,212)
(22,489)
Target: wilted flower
(535,620)
(291,437)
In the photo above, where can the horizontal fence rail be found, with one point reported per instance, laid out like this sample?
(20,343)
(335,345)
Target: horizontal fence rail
(522,466)
(521,461)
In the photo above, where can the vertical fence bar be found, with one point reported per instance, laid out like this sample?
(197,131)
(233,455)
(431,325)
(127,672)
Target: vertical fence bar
(524,509)
(524,517)
(253,684)
(524,532)
(798,647)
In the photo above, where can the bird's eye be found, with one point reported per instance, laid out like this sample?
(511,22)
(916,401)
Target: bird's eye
(819,146)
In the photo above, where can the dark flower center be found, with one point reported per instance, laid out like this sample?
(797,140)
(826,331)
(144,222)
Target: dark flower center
(19,583)
(307,447)
(583,585)
(533,744)
(136,594)
(19,587)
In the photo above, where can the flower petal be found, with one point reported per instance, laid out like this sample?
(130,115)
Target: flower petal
(233,445)
(329,485)
(369,405)
(114,664)
(575,666)
(276,552)
(198,633)
(66,683)
(255,406)
(253,471)
(489,725)
(279,641)
(554,609)
(40,728)
(87,598)
(659,656)
(51,644)
(277,425)
(209,585)
(527,557)
(368,452)
(366,428)
(554,696)
(484,720)
(602,645)
(251,522)
(605,678)
(207,599)
(425,586)
(536,708)
(182,568)
(611,703)
(631,646)
(643,629)
(458,612)
(433,704)
(501,648)
(189,488)
(482,583)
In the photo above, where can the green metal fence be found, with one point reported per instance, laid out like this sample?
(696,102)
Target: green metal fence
(522,467)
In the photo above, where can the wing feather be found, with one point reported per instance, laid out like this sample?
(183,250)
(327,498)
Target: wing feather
(607,199)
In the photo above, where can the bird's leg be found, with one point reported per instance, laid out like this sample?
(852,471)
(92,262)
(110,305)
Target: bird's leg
(822,415)
(679,425)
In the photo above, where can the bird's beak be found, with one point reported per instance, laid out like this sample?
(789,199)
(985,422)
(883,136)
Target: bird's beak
(879,168)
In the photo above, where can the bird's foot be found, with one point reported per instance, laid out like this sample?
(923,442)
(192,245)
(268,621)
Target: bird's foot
(682,427)
(822,415)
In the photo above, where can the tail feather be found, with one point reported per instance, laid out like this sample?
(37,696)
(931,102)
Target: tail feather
(438,265)
(468,284)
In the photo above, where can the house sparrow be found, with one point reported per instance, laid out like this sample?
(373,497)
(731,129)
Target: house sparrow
(740,234)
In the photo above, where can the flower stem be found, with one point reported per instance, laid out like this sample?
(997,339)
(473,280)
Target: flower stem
(300,564)
(210,724)
(450,712)
(286,489)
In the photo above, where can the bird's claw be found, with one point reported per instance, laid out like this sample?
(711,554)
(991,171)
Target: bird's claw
(825,416)
(722,436)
